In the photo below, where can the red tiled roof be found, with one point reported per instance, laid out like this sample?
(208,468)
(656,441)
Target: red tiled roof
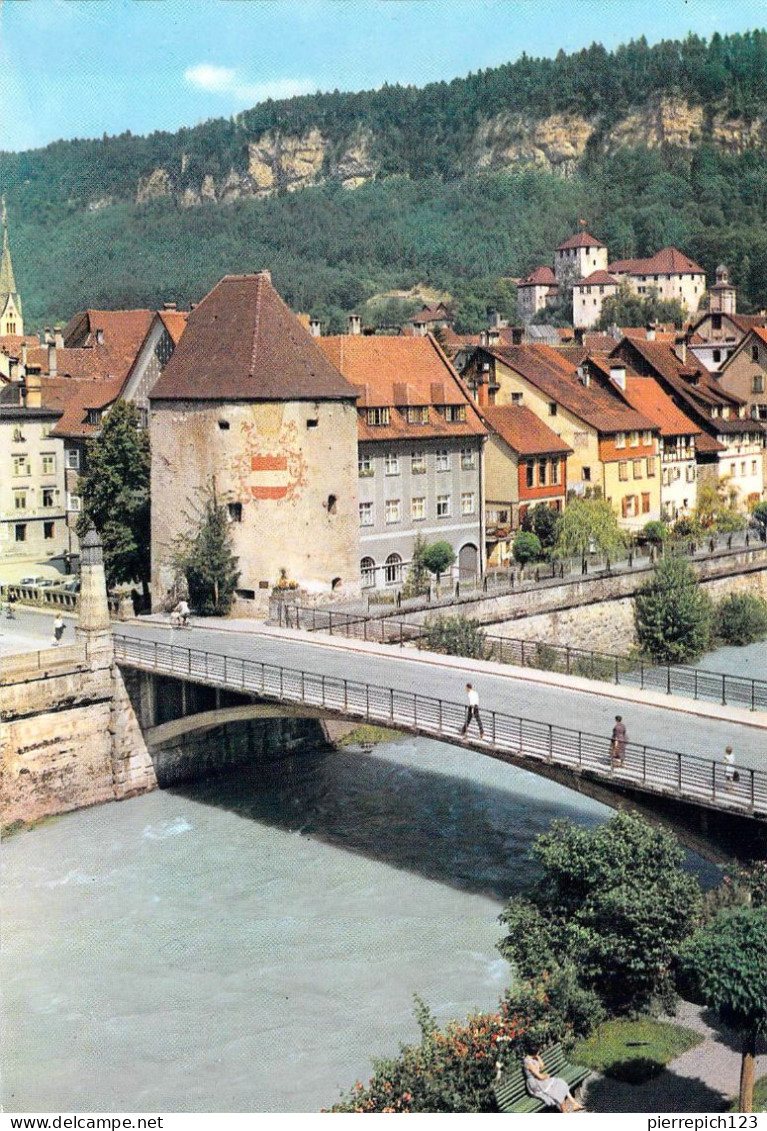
(434,312)
(648,397)
(396,372)
(596,278)
(641,332)
(243,343)
(749,321)
(523,431)
(174,322)
(598,343)
(73,397)
(12,343)
(540,277)
(551,373)
(583,239)
(668,261)
(123,334)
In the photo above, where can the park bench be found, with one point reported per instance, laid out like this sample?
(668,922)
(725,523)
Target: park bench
(511,1094)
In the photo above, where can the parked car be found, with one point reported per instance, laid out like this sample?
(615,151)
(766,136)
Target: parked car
(28,581)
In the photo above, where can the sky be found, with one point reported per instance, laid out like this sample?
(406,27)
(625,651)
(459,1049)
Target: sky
(82,68)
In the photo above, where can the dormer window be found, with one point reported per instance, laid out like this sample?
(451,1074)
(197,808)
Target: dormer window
(377,417)
(416,414)
(455,413)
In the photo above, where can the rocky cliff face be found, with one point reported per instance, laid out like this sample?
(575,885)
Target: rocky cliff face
(557,143)
(507,141)
(274,162)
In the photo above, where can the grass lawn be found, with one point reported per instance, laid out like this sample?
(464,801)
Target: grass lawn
(634,1051)
(366,735)
(760,1096)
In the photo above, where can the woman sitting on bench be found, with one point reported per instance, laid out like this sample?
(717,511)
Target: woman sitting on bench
(550,1090)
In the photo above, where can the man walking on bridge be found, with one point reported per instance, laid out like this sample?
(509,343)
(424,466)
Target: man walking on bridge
(472,710)
(618,741)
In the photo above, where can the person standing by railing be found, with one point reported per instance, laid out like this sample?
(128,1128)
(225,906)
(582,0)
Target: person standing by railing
(731,775)
(472,710)
(58,630)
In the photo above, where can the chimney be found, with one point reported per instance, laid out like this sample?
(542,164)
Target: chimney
(579,331)
(354,324)
(34,396)
(681,351)
(493,336)
(484,338)
(517,334)
(315,327)
(650,331)
(169,306)
(58,337)
(267,275)
(46,335)
(24,354)
(53,365)
(99,337)
(618,375)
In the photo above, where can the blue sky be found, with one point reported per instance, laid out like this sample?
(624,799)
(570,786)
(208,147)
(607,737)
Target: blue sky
(81,68)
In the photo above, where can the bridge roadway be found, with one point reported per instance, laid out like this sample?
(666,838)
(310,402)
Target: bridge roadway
(692,728)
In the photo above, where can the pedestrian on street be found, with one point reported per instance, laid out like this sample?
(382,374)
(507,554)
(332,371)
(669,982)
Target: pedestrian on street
(58,629)
(618,741)
(472,710)
(730,773)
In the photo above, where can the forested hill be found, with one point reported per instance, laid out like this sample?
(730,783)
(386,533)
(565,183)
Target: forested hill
(455,184)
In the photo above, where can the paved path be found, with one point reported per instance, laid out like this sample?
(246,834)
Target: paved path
(702,1080)
(704,731)
(30,630)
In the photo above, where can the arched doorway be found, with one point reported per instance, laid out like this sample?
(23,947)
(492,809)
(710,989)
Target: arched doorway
(468,562)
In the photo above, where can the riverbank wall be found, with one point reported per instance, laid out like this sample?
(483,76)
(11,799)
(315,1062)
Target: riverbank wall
(595,613)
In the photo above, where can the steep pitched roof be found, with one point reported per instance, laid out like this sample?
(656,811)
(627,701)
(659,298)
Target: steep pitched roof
(523,431)
(583,239)
(555,376)
(174,322)
(7,280)
(647,397)
(123,332)
(73,397)
(540,277)
(243,343)
(395,373)
(430,312)
(667,261)
(595,279)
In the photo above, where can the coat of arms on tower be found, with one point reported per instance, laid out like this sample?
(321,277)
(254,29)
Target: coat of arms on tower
(270,466)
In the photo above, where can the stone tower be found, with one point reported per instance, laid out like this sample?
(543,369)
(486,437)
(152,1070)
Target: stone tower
(11,319)
(722,296)
(93,620)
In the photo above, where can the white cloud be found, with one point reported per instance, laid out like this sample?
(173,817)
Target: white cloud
(228,81)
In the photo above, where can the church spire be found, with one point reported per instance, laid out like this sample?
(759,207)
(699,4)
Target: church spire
(10,299)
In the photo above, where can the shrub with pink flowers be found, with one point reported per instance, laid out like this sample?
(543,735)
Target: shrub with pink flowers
(453,1069)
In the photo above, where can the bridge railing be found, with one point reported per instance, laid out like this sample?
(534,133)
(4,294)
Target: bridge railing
(611,667)
(669,773)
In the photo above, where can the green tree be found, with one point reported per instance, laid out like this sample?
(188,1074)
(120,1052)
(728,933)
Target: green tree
(672,613)
(542,520)
(205,557)
(626,308)
(614,901)
(654,532)
(740,618)
(588,524)
(417,580)
(527,547)
(115,494)
(454,636)
(728,960)
(438,557)
(759,515)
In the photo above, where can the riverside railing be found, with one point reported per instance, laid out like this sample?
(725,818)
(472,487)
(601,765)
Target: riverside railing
(503,581)
(664,773)
(607,667)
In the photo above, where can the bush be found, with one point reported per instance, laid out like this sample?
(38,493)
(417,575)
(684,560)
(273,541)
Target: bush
(759,517)
(454,636)
(612,902)
(740,618)
(672,613)
(654,532)
(526,548)
(438,557)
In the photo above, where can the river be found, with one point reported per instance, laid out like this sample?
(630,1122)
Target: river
(249,943)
